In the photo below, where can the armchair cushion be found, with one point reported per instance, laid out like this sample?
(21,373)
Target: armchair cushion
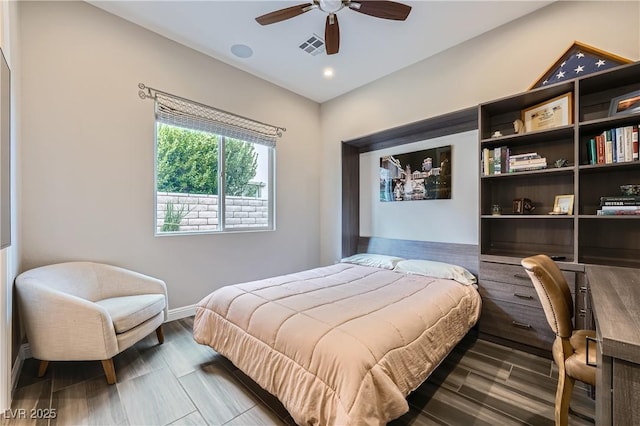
(128,312)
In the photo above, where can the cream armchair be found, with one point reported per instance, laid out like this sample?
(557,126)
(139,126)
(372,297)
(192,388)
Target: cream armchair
(77,311)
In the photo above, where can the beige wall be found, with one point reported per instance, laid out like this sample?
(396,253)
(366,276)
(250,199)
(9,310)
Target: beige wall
(88,144)
(499,63)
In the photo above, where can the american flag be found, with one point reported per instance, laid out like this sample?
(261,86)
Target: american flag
(578,61)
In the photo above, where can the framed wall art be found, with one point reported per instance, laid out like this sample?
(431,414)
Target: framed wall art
(418,175)
(625,104)
(549,114)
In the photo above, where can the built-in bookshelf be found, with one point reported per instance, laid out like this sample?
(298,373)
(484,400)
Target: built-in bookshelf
(565,164)
(583,236)
(605,239)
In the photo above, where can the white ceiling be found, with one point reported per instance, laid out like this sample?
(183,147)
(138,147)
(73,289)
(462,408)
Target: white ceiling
(370,47)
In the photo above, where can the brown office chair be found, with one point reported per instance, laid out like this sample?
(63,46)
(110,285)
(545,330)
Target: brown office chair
(570,347)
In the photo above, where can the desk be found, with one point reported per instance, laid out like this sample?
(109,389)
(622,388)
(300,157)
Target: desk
(615,299)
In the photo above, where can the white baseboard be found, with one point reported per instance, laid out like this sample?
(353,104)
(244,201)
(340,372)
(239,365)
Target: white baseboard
(179,313)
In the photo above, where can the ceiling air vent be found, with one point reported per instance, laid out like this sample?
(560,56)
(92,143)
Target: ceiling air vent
(314,45)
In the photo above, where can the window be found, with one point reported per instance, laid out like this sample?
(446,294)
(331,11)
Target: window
(214,171)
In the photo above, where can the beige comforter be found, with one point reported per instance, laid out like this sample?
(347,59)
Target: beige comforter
(342,344)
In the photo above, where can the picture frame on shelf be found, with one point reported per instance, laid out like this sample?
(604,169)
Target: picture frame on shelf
(517,206)
(626,104)
(563,204)
(555,112)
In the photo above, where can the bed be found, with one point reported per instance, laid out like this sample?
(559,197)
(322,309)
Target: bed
(342,344)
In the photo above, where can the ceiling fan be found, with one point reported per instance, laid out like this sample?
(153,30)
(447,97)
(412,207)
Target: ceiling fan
(379,9)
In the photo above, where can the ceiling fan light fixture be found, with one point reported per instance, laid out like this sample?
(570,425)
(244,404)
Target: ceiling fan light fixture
(330,6)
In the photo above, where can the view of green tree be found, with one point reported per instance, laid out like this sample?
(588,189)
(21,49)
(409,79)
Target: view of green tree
(188,162)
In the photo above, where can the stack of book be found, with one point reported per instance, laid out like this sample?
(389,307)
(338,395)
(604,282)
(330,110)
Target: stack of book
(499,160)
(528,161)
(620,205)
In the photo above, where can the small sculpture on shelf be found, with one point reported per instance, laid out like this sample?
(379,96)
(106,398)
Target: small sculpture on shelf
(518,126)
(523,206)
(561,162)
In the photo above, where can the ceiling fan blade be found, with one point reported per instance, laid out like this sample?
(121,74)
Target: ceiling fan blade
(282,14)
(332,35)
(382,9)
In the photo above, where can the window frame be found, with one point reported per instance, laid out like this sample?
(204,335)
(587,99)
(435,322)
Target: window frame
(222,227)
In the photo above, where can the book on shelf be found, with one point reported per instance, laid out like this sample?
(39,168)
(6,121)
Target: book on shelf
(602,212)
(538,160)
(608,149)
(600,149)
(634,142)
(591,151)
(631,207)
(500,159)
(528,166)
(526,156)
(616,145)
(621,200)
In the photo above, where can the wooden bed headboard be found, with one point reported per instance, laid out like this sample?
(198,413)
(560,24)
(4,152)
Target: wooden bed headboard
(465,255)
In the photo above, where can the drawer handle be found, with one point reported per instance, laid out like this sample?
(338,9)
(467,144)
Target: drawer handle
(523,296)
(583,289)
(521,276)
(519,324)
(583,313)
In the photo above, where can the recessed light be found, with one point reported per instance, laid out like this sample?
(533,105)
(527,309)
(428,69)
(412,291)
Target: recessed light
(242,51)
(328,72)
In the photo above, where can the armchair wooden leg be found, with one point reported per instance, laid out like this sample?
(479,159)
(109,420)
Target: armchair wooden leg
(109,370)
(160,335)
(42,369)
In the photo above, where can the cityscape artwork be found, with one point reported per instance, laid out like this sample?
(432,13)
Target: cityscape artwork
(418,175)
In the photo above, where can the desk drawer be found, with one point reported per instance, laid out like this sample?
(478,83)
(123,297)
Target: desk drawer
(519,294)
(515,274)
(523,324)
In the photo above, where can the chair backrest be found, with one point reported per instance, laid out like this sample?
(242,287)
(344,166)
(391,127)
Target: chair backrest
(75,278)
(553,292)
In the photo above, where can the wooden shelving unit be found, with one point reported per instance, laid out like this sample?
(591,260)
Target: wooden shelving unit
(578,239)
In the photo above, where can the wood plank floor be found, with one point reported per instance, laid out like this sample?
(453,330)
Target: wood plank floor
(183,383)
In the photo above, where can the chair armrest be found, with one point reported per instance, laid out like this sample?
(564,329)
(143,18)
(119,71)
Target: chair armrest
(60,326)
(121,282)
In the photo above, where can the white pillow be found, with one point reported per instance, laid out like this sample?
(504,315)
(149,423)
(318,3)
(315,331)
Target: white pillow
(430,268)
(372,259)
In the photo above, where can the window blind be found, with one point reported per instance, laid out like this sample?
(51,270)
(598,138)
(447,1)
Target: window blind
(181,112)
